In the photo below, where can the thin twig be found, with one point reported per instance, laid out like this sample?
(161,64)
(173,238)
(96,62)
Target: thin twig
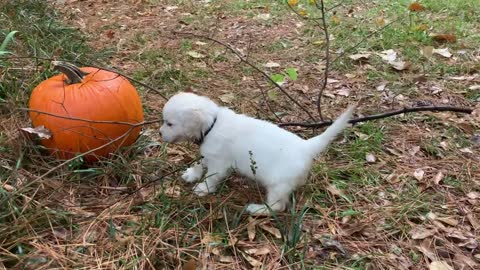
(242,59)
(327,59)
(90,121)
(266,100)
(367,37)
(383,115)
(321,23)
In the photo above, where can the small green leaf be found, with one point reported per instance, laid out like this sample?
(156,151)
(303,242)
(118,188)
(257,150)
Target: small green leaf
(7,40)
(292,73)
(278,78)
(349,212)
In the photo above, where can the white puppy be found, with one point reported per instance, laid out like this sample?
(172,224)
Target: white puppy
(257,149)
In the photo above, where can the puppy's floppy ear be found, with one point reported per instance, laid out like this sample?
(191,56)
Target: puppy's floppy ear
(193,121)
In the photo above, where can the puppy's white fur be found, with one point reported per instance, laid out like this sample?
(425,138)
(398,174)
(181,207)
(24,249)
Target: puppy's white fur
(257,149)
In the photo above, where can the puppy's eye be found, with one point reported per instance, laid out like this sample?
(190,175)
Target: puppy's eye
(169,124)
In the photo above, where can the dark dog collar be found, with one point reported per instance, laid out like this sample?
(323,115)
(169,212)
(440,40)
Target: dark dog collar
(203,135)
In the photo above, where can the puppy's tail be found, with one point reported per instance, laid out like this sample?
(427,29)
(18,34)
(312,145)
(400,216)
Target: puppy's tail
(318,144)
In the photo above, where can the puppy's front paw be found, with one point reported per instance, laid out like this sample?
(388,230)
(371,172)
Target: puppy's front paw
(191,175)
(202,189)
(258,209)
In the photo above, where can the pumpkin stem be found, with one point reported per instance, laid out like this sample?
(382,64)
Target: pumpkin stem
(73,73)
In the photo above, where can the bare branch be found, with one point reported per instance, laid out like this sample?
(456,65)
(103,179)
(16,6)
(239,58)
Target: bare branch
(242,59)
(367,37)
(321,23)
(327,59)
(383,115)
(91,121)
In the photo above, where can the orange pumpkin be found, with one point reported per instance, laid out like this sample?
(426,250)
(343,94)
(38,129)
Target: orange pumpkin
(71,104)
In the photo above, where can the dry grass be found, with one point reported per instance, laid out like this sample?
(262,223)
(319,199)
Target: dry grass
(352,215)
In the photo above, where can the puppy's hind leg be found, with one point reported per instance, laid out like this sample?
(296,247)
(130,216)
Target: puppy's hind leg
(215,174)
(277,200)
(193,173)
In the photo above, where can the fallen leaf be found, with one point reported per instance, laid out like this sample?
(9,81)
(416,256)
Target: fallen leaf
(427,51)
(457,234)
(252,261)
(370,158)
(258,251)
(200,43)
(400,65)
(473,195)
(270,64)
(421,27)
(195,54)
(419,174)
(211,240)
(170,8)
(463,78)
(216,251)
(435,89)
(264,16)
(352,229)
(318,42)
(443,52)
(470,243)
(426,250)
(381,87)
(443,38)
(226,259)
(335,191)
(335,19)
(380,21)
(190,265)
(388,55)
(110,34)
(173,191)
(421,232)
(251,229)
(439,265)
(302,12)
(414,150)
(431,216)
(274,231)
(8,187)
(330,243)
(466,150)
(227,98)
(415,6)
(473,221)
(345,92)
(292,2)
(438,177)
(359,56)
(474,87)
(448,220)
(464,262)
(444,145)
(40,131)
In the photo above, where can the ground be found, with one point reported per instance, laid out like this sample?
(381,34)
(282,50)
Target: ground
(396,193)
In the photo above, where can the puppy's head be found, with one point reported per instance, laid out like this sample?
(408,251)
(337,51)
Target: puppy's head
(186,117)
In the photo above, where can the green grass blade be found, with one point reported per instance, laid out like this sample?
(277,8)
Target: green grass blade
(8,39)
